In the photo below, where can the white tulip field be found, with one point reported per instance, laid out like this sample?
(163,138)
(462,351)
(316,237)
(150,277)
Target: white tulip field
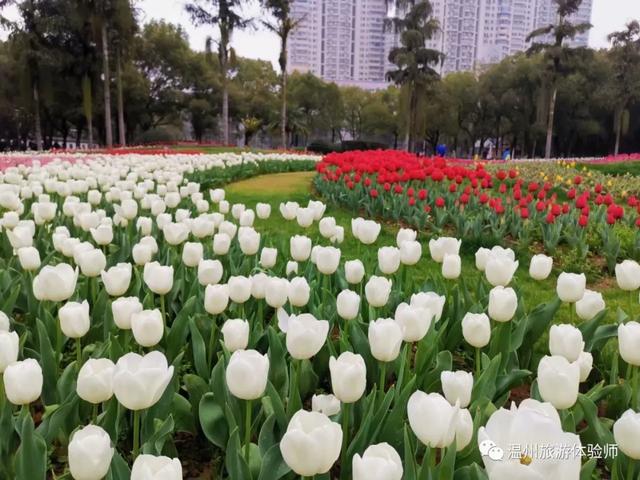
(154,326)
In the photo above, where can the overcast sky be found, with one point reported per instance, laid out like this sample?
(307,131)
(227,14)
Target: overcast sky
(608,16)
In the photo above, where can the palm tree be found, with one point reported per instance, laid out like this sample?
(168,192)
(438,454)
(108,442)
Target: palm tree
(282,26)
(556,54)
(415,62)
(626,84)
(223,14)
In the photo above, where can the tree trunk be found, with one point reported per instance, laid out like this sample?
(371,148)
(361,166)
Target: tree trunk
(283,66)
(87,103)
(36,107)
(619,118)
(122,136)
(552,114)
(108,133)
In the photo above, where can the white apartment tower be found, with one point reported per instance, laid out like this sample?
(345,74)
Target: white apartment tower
(344,40)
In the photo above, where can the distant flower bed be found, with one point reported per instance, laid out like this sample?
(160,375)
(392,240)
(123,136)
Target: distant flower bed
(486,204)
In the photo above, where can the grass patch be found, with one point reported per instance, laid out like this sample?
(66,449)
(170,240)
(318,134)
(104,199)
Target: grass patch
(615,169)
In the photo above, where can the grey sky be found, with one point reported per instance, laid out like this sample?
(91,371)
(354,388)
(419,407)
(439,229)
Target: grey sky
(608,15)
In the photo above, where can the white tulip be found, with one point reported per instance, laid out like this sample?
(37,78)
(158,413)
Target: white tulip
(385,339)
(348,376)
(23,382)
(236,334)
(221,243)
(95,380)
(540,267)
(247,374)
(298,292)
(304,217)
(348,304)
(443,245)
(216,299)
(102,234)
(90,453)
(629,342)
(139,381)
(116,280)
(379,461)
(328,405)
(585,362)
(626,432)
(276,292)
(147,327)
(457,387)
(558,381)
(590,305)
(476,329)
(327,227)
(327,259)
(149,467)
(259,285)
(239,288)
(300,248)
(571,287)
(249,241)
(354,271)
(415,321)
(482,255)
(291,268)
(306,335)
(431,301)
(92,262)
(209,272)
(74,319)
(503,303)
(451,266)
(500,269)
(192,253)
(123,309)
(158,278)
(405,235)
(410,252)
(377,291)
(628,275)
(29,258)
(432,419)
(9,348)
(268,257)
(141,254)
(263,210)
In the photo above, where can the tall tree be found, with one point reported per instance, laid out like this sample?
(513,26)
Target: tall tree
(414,61)
(226,16)
(282,26)
(556,53)
(626,80)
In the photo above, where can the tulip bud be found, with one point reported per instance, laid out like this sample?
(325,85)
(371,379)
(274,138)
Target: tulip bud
(566,341)
(571,287)
(443,245)
(379,461)
(102,234)
(482,255)
(306,335)
(268,257)
(158,278)
(348,304)
(628,275)
(259,285)
(500,269)
(432,419)
(149,467)
(141,254)
(74,319)
(249,241)
(292,268)
(311,444)
(457,387)
(239,289)
(276,292)
(247,374)
(9,348)
(123,309)
(585,361)
(348,376)
(236,334)
(304,217)
(354,271)
(429,300)
(328,405)
(192,253)
(55,283)
(503,303)
(300,248)
(117,279)
(221,243)
(590,305)
(29,258)
(90,453)
(95,380)
(388,260)
(23,382)
(405,235)
(263,210)
(464,429)
(327,227)
(476,329)
(385,339)
(92,262)
(558,381)
(147,327)
(415,321)
(247,218)
(626,433)
(217,195)
(629,342)
(377,291)
(4,322)
(410,252)
(451,266)
(299,292)
(139,381)
(540,267)
(366,231)
(327,260)
(144,225)
(209,272)
(216,299)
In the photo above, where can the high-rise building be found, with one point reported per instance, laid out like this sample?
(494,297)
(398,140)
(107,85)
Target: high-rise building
(345,41)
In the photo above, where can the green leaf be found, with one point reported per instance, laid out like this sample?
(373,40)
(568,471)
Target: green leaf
(178,332)
(199,350)
(234,460)
(273,466)
(31,457)
(155,443)
(48,364)
(213,422)
(119,469)
(410,467)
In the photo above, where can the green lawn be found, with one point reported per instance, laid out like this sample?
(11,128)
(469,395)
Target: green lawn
(277,188)
(617,169)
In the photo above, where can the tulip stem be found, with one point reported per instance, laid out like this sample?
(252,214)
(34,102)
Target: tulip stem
(383,376)
(247,432)
(630,467)
(58,345)
(2,394)
(433,456)
(136,433)
(631,294)
(634,387)
(163,309)
(572,319)
(345,435)
(94,413)
(478,363)
(78,354)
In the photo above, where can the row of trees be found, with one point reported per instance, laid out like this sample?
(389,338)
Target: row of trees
(66,61)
